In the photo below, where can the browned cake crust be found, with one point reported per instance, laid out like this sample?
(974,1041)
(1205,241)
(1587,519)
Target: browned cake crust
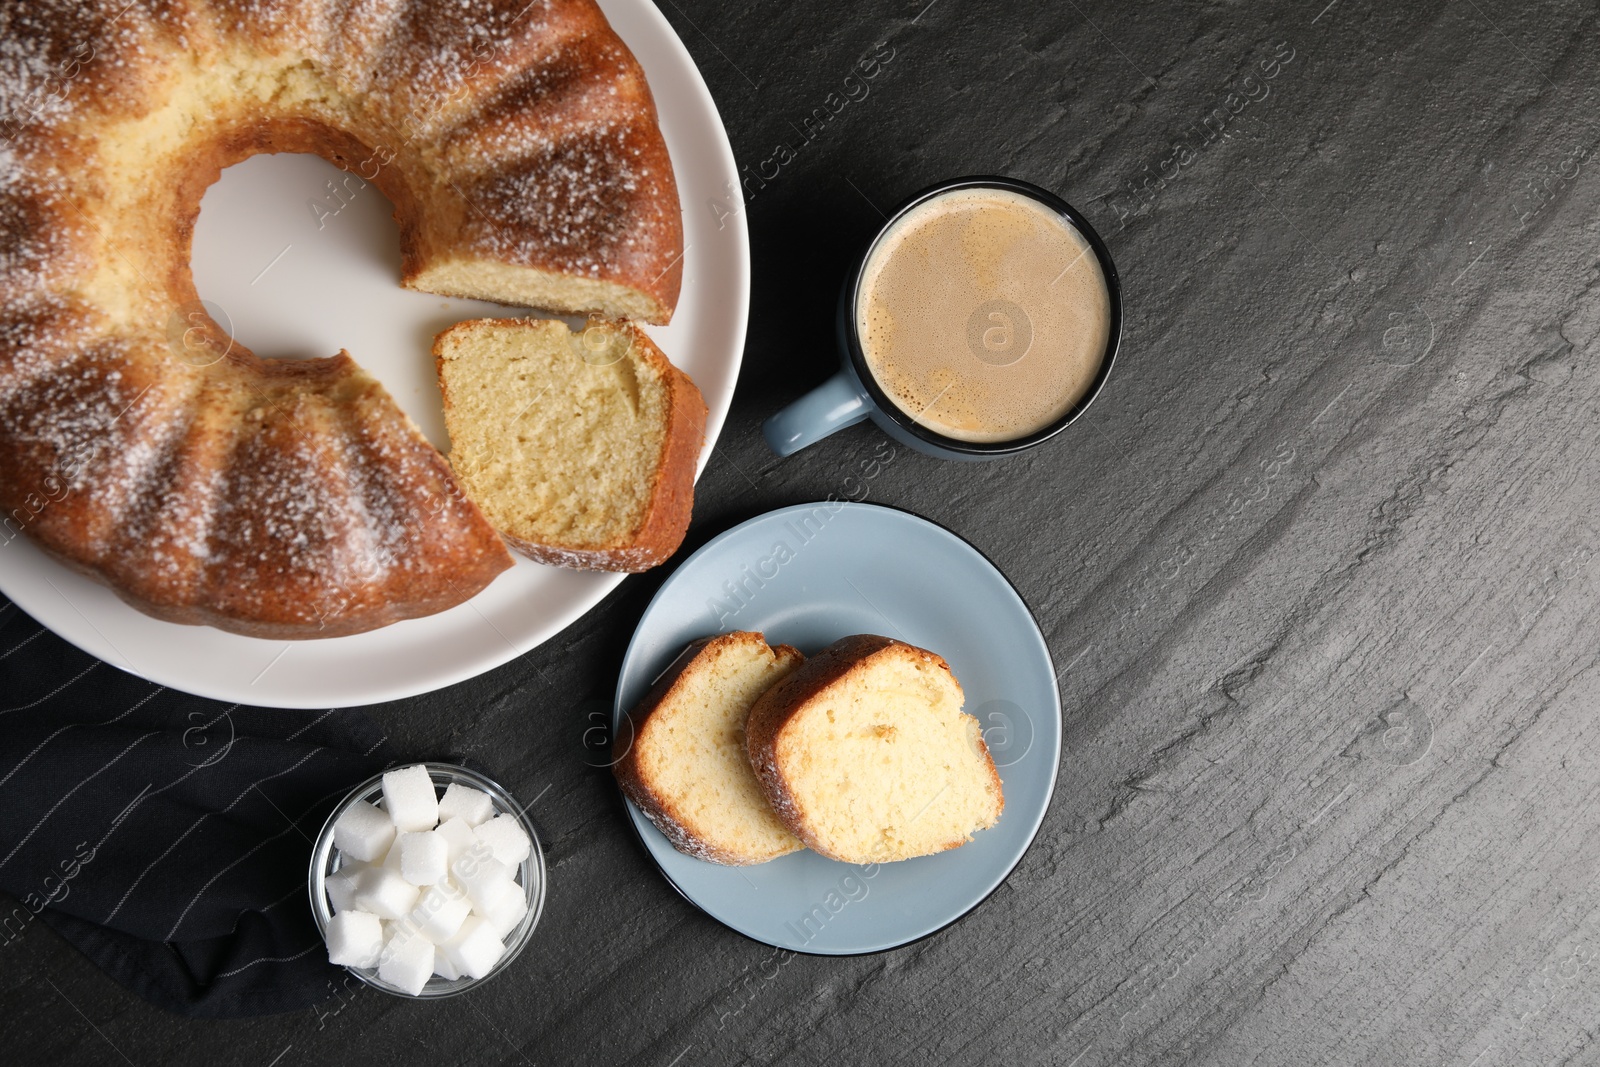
(626,770)
(775,708)
(142,446)
(636,785)
(582,184)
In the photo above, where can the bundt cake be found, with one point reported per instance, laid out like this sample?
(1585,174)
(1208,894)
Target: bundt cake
(140,444)
(580,447)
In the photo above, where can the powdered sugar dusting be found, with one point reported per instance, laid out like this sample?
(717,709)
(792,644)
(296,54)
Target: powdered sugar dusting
(40,241)
(396,485)
(61,421)
(39,333)
(33,83)
(60,58)
(358,39)
(444,46)
(183,540)
(284,529)
(135,443)
(567,206)
(320,509)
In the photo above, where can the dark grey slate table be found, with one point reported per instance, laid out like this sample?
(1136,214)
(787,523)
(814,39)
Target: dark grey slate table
(1316,569)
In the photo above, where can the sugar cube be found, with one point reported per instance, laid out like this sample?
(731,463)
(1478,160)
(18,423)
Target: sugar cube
(475,949)
(457,836)
(409,798)
(384,893)
(443,967)
(440,912)
(447,946)
(407,963)
(391,859)
(363,832)
(341,886)
(397,933)
(355,939)
(505,909)
(505,838)
(472,806)
(422,857)
(479,874)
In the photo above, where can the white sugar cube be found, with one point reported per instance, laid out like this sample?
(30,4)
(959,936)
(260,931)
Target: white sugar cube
(391,859)
(397,933)
(443,967)
(447,946)
(341,886)
(355,939)
(475,949)
(407,963)
(471,806)
(423,857)
(384,893)
(440,912)
(363,832)
(479,874)
(505,910)
(505,838)
(457,836)
(410,800)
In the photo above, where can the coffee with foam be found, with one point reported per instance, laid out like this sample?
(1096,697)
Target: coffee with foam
(983,314)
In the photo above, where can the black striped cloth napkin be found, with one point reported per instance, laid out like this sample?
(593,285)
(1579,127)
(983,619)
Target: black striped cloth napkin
(165,836)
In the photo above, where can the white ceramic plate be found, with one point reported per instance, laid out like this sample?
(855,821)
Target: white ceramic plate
(298,268)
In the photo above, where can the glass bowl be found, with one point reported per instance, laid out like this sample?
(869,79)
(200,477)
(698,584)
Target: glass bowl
(325,860)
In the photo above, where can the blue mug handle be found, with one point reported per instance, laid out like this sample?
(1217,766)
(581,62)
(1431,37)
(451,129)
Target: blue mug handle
(833,405)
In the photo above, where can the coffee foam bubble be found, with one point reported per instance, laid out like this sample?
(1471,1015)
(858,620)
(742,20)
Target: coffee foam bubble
(983,314)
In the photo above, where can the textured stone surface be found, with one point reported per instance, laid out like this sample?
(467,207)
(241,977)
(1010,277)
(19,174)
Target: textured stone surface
(1316,570)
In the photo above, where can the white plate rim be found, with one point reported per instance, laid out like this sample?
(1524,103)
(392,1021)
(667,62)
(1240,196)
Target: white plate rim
(33,581)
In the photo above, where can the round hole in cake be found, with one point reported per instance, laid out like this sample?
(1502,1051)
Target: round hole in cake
(296,259)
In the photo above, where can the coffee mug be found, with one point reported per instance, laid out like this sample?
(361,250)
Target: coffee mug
(997,332)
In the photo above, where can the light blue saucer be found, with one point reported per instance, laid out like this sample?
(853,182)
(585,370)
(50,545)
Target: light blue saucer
(806,576)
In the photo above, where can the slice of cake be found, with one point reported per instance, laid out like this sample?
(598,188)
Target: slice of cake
(866,756)
(579,447)
(686,768)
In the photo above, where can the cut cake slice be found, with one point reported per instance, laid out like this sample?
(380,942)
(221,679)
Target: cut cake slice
(579,447)
(686,768)
(865,754)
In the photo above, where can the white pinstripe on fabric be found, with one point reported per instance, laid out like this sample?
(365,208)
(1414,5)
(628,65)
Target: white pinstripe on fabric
(58,689)
(24,642)
(297,891)
(270,959)
(142,797)
(294,824)
(195,825)
(183,777)
(42,819)
(71,725)
(308,725)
